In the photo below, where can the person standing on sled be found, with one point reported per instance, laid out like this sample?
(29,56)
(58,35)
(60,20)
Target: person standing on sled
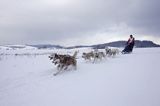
(129,45)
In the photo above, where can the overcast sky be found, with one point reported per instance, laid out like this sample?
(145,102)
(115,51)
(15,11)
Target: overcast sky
(74,22)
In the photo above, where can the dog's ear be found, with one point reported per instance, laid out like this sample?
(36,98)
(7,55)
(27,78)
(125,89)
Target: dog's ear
(49,57)
(55,54)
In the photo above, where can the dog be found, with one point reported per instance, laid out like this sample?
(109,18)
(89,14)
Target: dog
(98,56)
(111,51)
(63,61)
(88,56)
(93,55)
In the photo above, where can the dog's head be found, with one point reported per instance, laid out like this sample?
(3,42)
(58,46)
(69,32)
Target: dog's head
(50,57)
(53,56)
(84,55)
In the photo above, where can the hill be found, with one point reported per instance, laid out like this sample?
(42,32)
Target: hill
(138,44)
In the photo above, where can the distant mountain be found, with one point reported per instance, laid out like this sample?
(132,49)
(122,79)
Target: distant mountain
(145,43)
(45,46)
(110,44)
(29,47)
(16,47)
(138,44)
(72,47)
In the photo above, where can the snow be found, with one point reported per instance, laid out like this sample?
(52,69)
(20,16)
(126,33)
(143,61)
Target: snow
(125,80)
(17,47)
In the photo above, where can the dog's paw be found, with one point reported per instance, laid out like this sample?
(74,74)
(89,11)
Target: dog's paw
(54,74)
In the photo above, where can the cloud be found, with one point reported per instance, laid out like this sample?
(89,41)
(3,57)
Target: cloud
(71,21)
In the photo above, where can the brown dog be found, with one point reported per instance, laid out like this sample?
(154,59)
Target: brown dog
(63,61)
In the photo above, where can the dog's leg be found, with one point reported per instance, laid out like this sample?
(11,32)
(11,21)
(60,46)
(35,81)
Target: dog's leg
(57,72)
(59,68)
(94,60)
(75,67)
(66,67)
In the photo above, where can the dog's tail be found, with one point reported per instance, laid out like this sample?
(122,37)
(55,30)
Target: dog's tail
(75,54)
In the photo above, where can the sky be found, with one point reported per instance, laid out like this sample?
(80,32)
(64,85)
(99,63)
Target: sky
(78,22)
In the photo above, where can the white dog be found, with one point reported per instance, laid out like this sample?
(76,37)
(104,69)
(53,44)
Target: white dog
(111,51)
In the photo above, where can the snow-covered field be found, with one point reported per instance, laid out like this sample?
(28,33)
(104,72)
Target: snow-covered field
(26,79)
